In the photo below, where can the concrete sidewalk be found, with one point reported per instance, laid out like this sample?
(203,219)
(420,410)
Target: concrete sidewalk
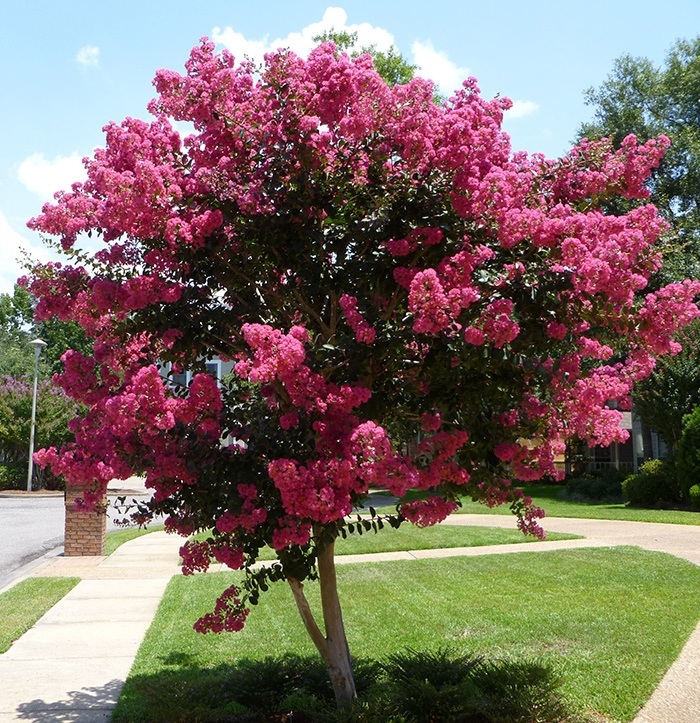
(72,664)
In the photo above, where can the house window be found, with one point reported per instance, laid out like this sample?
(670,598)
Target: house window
(182,379)
(213,367)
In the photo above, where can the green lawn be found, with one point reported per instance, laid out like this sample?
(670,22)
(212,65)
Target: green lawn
(610,621)
(22,605)
(549,498)
(119,537)
(409,537)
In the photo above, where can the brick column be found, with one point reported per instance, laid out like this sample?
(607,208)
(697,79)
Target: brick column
(85,531)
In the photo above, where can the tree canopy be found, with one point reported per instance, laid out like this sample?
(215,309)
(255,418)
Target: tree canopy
(408,306)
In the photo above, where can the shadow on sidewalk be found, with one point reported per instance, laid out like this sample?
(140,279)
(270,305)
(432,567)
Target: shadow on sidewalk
(82,706)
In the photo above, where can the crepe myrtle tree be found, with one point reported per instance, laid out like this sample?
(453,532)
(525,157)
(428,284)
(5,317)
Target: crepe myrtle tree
(409,305)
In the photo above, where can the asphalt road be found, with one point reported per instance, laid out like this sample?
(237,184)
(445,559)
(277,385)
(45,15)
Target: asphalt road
(30,528)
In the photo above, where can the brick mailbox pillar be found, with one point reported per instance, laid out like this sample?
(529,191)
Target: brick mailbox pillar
(85,531)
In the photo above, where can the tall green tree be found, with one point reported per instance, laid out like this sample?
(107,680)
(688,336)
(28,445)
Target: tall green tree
(18,328)
(672,391)
(16,318)
(647,100)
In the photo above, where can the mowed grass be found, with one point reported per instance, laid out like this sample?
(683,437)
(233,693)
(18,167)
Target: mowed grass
(117,538)
(548,497)
(610,621)
(409,537)
(22,605)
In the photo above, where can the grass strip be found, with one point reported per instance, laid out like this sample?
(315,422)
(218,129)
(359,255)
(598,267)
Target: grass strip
(610,621)
(117,538)
(548,497)
(22,605)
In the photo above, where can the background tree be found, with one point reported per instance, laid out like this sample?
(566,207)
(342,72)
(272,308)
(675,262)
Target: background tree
(54,412)
(16,316)
(380,268)
(672,391)
(18,328)
(641,98)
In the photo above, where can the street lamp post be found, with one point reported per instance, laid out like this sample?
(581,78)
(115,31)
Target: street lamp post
(38,345)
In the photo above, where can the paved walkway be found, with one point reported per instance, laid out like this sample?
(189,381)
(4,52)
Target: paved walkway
(71,665)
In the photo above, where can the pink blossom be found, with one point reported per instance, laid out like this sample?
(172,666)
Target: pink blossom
(287,421)
(430,422)
(428,512)
(364,333)
(474,336)
(555,330)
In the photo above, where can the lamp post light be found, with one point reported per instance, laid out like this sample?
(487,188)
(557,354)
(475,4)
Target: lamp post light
(38,345)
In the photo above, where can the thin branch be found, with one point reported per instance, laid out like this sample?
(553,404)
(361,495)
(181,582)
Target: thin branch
(311,312)
(307,616)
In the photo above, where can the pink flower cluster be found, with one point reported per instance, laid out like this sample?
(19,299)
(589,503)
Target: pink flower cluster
(498,325)
(249,518)
(364,333)
(196,557)
(428,512)
(133,425)
(229,614)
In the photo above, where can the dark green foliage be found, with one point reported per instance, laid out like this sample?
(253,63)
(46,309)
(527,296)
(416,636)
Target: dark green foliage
(16,358)
(13,475)
(688,456)
(17,329)
(59,337)
(603,487)
(672,391)
(694,495)
(654,485)
(408,687)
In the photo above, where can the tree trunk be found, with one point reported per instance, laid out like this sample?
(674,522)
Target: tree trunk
(333,646)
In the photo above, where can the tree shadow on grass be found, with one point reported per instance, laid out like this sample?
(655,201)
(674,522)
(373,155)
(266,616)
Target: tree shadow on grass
(409,686)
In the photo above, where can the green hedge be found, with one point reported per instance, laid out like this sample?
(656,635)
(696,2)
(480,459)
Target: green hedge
(654,485)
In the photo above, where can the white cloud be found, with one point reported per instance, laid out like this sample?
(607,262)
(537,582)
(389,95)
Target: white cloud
(431,63)
(46,176)
(88,55)
(302,43)
(435,65)
(12,244)
(521,108)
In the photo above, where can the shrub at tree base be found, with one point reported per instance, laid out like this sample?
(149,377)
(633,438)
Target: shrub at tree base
(408,686)
(653,486)
(380,268)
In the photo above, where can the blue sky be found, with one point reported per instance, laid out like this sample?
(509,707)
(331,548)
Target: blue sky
(67,68)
